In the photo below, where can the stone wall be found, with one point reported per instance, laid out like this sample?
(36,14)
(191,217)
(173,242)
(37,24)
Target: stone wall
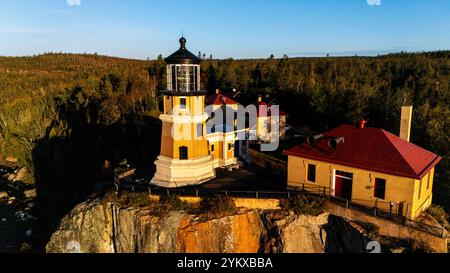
(390,228)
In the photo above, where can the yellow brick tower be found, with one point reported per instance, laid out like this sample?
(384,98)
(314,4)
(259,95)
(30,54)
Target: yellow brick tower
(184,158)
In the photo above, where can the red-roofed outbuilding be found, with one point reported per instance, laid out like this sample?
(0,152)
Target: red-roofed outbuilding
(366,165)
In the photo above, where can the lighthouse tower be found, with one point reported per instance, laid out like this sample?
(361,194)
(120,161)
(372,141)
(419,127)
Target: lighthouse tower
(184,158)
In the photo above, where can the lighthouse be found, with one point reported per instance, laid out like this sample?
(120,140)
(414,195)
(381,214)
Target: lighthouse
(185,158)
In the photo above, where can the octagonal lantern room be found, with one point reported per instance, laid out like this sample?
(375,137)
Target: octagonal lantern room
(183,71)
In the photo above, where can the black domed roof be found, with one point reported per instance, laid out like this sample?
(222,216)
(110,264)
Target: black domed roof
(182,55)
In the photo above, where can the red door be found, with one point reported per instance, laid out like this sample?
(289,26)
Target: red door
(343,187)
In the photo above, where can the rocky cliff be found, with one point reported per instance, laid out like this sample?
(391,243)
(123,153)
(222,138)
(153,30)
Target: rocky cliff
(106,228)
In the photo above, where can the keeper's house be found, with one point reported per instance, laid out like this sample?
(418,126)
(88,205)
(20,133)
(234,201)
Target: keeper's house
(367,166)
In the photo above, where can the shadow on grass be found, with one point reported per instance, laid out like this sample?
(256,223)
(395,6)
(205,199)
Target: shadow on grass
(66,169)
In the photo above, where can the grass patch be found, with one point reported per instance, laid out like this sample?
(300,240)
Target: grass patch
(304,204)
(128,199)
(166,203)
(439,213)
(216,206)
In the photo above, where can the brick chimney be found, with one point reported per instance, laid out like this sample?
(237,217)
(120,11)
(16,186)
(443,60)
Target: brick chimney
(362,124)
(405,125)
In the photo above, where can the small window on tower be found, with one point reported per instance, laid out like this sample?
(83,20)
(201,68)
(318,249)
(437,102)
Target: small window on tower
(212,148)
(183,103)
(183,153)
(200,130)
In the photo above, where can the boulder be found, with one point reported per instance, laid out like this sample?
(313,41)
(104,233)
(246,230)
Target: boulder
(12,200)
(11,160)
(30,193)
(20,175)
(4,195)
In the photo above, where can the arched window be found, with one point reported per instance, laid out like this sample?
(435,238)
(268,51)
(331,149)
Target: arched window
(183,153)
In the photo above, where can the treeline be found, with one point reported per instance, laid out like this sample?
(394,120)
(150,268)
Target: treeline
(69,119)
(322,93)
(64,115)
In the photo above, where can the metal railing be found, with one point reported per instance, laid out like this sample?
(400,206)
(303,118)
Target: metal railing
(392,214)
(199,192)
(378,210)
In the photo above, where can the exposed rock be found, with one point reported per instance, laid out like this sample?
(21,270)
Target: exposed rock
(4,195)
(344,237)
(106,228)
(239,233)
(20,175)
(294,232)
(12,200)
(29,232)
(30,193)
(89,225)
(11,160)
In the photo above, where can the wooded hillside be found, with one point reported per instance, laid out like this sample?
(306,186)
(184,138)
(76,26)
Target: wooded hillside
(63,115)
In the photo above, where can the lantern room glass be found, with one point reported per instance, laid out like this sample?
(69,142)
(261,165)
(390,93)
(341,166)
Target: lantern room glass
(183,78)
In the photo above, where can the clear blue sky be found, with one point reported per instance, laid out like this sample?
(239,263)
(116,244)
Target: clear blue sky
(224,28)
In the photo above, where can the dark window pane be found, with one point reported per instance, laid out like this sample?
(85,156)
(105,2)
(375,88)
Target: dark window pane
(196,87)
(344,174)
(312,173)
(191,78)
(183,103)
(230,146)
(199,130)
(183,153)
(380,188)
(174,79)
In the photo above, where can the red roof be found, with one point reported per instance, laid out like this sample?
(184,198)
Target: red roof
(264,109)
(370,149)
(219,99)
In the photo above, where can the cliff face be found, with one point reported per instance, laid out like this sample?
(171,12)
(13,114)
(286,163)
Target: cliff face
(105,228)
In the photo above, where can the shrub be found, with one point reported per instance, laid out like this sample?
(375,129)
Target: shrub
(439,214)
(303,204)
(370,228)
(166,203)
(128,199)
(170,203)
(419,246)
(217,206)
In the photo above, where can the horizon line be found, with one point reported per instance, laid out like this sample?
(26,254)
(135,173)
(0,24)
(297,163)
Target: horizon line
(336,54)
